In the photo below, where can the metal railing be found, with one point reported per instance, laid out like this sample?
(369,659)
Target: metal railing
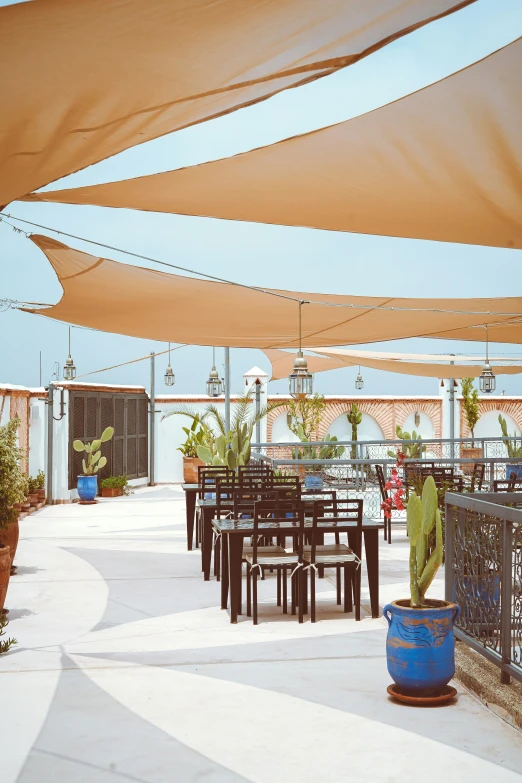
(483,537)
(357,476)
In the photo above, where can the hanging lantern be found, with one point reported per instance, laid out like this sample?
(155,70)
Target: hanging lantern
(300,381)
(359,383)
(487,381)
(169,377)
(214,383)
(69,370)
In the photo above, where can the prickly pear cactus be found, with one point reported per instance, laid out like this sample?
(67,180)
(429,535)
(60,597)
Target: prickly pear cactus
(422,515)
(95,461)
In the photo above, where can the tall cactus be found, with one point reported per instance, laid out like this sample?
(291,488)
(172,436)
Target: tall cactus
(95,461)
(422,515)
(354,417)
(513,449)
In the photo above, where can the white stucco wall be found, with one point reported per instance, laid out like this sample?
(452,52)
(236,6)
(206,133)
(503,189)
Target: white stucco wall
(425,427)
(281,432)
(488,425)
(368,429)
(37,435)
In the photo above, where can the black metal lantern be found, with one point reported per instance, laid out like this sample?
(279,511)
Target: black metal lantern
(69,370)
(214,383)
(169,377)
(487,381)
(300,380)
(359,383)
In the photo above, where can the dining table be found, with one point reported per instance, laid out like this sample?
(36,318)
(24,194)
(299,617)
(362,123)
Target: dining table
(233,531)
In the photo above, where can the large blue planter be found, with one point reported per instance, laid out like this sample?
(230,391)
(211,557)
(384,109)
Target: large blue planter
(513,468)
(87,487)
(420,647)
(313,482)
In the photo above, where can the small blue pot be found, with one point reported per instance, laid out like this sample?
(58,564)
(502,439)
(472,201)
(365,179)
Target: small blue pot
(515,468)
(313,482)
(420,647)
(87,487)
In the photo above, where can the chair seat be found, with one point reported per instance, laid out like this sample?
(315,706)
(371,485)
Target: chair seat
(273,559)
(329,554)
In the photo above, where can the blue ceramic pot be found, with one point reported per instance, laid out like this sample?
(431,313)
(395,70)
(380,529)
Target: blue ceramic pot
(420,647)
(515,468)
(87,487)
(313,482)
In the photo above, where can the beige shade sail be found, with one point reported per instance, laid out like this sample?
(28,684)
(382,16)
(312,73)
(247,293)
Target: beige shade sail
(124,299)
(283,361)
(85,79)
(444,163)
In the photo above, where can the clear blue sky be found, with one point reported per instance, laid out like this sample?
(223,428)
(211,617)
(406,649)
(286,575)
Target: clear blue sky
(299,258)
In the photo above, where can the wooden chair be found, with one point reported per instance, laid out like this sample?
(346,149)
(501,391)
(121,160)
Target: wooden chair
(477,477)
(513,484)
(280,561)
(338,556)
(385,495)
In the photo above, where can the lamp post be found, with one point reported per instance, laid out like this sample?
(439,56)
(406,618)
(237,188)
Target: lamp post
(169,377)
(300,381)
(487,381)
(69,370)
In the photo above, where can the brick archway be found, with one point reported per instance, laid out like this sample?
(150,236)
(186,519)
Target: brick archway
(381,413)
(511,407)
(403,408)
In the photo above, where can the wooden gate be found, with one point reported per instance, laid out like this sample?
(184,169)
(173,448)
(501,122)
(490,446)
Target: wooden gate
(91,412)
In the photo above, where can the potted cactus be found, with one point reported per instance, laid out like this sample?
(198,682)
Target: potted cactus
(470,405)
(420,647)
(88,481)
(232,450)
(514,450)
(197,435)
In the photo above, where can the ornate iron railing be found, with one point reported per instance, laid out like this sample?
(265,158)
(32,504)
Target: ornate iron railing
(484,574)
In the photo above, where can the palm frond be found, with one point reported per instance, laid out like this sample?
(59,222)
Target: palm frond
(241,410)
(184,410)
(212,412)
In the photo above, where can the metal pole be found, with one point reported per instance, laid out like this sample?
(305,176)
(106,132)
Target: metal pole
(452,414)
(227,389)
(49,466)
(152,417)
(40,369)
(258,411)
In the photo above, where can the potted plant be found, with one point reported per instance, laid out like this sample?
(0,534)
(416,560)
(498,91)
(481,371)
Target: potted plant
(408,450)
(13,486)
(420,646)
(114,486)
(88,481)
(40,485)
(470,405)
(197,435)
(304,419)
(32,492)
(514,450)
(5,572)
(9,642)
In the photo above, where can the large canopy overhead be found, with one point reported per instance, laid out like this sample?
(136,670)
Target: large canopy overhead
(84,80)
(333,359)
(114,297)
(444,163)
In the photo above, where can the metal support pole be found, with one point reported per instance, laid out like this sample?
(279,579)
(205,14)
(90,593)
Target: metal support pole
(227,389)
(452,414)
(152,417)
(50,423)
(258,411)
(507,587)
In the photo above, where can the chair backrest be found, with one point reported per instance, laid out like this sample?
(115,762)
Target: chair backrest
(290,480)
(245,499)
(511,485)
(209,474)
(326,497)
(281,511)
(477,478)
(350,509)
(224,493)
(382,481)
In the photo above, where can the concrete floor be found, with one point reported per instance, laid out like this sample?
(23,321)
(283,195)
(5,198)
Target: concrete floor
(127,670)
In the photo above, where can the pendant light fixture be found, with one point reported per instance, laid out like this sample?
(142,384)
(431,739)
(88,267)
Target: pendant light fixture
(69,370)
(487,381)
(359,383)
(214,383)
(169,377)
(300,381)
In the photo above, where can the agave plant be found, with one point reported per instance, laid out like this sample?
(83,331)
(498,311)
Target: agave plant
(95,461)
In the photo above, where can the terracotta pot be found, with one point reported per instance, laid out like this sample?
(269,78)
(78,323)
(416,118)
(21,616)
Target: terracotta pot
(41,494)
(5,571)
(9,537)
(111,492)
(190,469)
(33,499)
(26,506)
(467,452)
